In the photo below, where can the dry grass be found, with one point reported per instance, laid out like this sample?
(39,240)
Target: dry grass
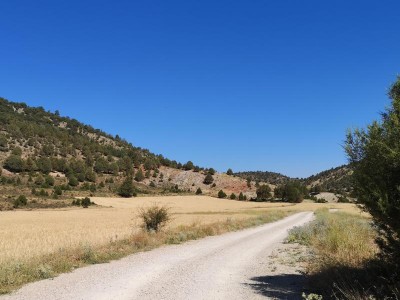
(29,234)
(15,273)
(345,265)
(338,239)
(205,204)
(35,240)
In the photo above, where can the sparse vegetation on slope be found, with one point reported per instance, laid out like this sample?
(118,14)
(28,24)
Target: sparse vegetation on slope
(60,158)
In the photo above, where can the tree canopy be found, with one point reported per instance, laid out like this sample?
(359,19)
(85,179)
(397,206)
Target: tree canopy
(263,192)
(374,154)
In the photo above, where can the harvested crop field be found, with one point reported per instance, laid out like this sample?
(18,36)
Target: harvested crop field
(29,234)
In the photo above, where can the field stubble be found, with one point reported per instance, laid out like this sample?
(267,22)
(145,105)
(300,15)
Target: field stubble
(41,243)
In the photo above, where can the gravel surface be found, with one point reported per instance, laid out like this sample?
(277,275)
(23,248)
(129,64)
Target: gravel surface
(229,266)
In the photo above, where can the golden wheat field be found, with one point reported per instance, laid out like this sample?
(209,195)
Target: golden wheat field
(29,234)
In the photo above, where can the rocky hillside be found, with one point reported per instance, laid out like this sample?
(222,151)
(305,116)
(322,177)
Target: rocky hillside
(44,155)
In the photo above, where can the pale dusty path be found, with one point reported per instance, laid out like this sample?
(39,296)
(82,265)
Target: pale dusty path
(219,267)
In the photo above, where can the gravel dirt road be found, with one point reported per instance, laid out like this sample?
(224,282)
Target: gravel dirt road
(219,267)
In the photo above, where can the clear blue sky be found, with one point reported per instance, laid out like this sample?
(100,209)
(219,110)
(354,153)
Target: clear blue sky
(252,85)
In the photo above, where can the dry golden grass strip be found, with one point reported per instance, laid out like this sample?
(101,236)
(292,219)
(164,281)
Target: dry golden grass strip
(14,274)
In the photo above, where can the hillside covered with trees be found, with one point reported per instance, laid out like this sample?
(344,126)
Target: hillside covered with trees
(263,176)
(336,180)
(45,155)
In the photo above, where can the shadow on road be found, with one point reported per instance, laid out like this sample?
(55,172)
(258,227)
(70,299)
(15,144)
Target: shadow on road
(285,286)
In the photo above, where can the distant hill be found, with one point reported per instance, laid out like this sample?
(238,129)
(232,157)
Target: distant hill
(264,176)
(336,180)
(333,180)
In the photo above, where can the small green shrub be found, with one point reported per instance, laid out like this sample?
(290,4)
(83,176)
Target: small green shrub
(43,193)
(44,271)
(58,190)
(155,217)
(199,191)
(20,201)
(139,175)
(73,181)
(49,180)
(127,189)
(221,194)
(208,179)
(343,199)
(85,202)
(263,192)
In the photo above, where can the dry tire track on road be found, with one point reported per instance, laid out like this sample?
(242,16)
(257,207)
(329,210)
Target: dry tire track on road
(218,267)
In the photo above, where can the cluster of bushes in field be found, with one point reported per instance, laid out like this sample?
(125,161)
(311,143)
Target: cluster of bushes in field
(233,196)
(22,200)
(85,202)
(288,192)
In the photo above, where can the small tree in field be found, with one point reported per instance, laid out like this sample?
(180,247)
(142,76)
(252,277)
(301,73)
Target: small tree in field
(232,196)
(85,202)
(263,192)
(293,194)
(154,217)
(127,189)
(199,191)
(229,172)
